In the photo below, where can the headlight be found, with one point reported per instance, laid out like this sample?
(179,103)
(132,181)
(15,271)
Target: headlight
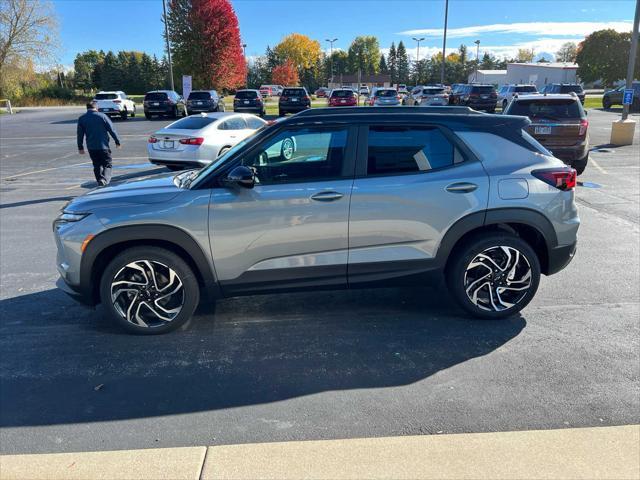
(66,217)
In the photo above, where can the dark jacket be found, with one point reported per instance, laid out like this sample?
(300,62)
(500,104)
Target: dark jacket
(97,127)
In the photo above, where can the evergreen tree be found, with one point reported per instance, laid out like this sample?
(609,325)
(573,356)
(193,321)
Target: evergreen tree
(393,63)
(403,63)
(382,66)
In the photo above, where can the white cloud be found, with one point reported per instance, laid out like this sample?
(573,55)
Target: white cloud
(532,28)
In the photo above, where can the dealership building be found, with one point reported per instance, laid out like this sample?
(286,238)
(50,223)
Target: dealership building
(538,74)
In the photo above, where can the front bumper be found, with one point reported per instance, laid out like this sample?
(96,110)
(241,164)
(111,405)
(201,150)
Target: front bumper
(74,292)
(560,257)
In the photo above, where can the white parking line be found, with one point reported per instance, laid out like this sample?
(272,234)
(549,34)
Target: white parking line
(68,136)
(595,164)
(44,170)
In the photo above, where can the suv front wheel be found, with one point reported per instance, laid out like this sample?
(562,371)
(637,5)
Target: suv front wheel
(494,275)
(149,290)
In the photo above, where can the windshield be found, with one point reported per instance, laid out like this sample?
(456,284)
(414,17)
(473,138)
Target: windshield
(155,96)
(246,94)
(106,96)
(386,93)
(554,109)
(195,122)
(199,96)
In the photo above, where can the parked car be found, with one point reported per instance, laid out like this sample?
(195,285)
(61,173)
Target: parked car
(364,90)
(507,92)
(384,96)
(455,92)
(427,96)
(332,214)
(342,97)
(269,90)
(559,123)
(293,100)
(402,89)
(614,97)
(478,97)
(322,92)
(204,101)
(197,140)
(115,103)
(565,88)
(164,103)
(249,101)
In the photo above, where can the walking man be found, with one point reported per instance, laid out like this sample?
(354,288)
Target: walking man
(97,127)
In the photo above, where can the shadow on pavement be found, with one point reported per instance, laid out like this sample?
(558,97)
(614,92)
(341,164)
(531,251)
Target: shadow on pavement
(35,202)
(63,364)
(129,176)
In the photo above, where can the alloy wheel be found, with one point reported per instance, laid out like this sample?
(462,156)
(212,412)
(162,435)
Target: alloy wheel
(147,293)
(498,278)
(287,149)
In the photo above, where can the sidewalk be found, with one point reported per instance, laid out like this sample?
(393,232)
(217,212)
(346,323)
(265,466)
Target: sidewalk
(584,453)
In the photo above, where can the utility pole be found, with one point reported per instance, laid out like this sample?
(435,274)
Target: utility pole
(632,58)
(418,56)
(444,41)
(331,54)
(477,42)
(166,34)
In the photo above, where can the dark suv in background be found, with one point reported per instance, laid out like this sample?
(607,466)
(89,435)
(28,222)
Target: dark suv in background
(204,101)
(559,123)
(478,97)
(293,100)
(164,103)
(614,97)
(565,88)
(249,101)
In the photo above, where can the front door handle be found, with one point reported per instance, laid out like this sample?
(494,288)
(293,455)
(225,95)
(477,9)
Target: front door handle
(461,187)
(326,196)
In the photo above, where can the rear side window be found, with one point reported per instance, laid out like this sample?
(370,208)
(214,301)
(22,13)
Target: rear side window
(550,109)
(294,92)
(106,96)
(394,150)
(193,123)
(246,94)
(236,123)
(199,96)
(155,96)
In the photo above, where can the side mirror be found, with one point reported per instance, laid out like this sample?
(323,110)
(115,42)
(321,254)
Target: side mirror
(241,175)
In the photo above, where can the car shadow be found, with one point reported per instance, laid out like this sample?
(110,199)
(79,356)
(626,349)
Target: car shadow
(65,364)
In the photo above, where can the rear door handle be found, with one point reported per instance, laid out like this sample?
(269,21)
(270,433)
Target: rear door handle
(461,187)
(326,196)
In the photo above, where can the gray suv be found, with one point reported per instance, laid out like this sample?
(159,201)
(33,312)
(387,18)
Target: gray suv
(327,199)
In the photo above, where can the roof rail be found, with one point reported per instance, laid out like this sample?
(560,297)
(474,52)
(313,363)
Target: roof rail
(451,110)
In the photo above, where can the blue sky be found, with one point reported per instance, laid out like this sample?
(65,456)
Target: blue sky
(502,26)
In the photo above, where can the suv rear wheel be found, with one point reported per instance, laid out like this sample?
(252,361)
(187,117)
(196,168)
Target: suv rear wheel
(149,290)
(494,275)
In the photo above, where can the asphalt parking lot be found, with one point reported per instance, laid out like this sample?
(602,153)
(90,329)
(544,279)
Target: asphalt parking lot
(317,365)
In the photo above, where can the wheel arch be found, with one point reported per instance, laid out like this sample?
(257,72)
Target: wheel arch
(109,243)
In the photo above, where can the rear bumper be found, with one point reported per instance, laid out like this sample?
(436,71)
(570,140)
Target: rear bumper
(560,257)
(159,110)
(293,108)
(483,105)
(571,153)
(248,109)
(178,163)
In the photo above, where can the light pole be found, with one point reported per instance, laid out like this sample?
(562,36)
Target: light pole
(246,74)
(166,34)
(477,42)
(444,40)
(331,54)
(418,55)
(632,58)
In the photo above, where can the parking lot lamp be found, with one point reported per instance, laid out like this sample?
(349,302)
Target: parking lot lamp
(331,54)
(166,34)
(477,42)
(444,41)
(418,55)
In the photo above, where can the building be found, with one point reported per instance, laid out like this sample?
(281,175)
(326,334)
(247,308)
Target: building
(380,80)
(539,74)
(492,77)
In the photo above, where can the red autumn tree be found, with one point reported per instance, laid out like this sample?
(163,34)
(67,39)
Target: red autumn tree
(205,43)
(285,74)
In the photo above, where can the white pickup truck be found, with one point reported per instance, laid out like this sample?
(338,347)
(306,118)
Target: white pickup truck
(115,103)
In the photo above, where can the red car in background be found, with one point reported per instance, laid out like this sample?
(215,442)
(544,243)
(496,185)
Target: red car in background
(343,98)
(322,92)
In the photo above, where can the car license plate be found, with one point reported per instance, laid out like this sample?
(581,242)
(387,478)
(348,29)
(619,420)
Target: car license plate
(294,99)
(542,130)
(246,102)
(167,144)
(199,103)
(484,96)
(155,104)
(343,101)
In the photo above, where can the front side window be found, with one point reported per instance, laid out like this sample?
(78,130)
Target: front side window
(300,155)
(235,123)
(393,150)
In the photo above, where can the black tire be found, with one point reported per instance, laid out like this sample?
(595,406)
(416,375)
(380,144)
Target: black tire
(190,293)
(580,165)
(124,115)
(148,116)
(174,112)
(606,103)
(175,168)
(223,150)
(481,243)
(263,113)
(504,104)
(133,114)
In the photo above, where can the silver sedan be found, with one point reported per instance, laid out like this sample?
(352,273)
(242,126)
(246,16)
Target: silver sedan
(197,140)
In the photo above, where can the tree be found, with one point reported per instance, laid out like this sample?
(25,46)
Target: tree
(285,74)
(393,63)
(567,52)
(462,54)
(524,55)
(300,49)
(205,43)
(84,65)
(488,62)
(542,59)
(604,55)
(382,66)
(403,63)
(364,55)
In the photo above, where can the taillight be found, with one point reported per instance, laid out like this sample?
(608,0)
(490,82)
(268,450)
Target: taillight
(306,99)
(561,178)
(192,141)
(584,124)
(284,99)
(153,140)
